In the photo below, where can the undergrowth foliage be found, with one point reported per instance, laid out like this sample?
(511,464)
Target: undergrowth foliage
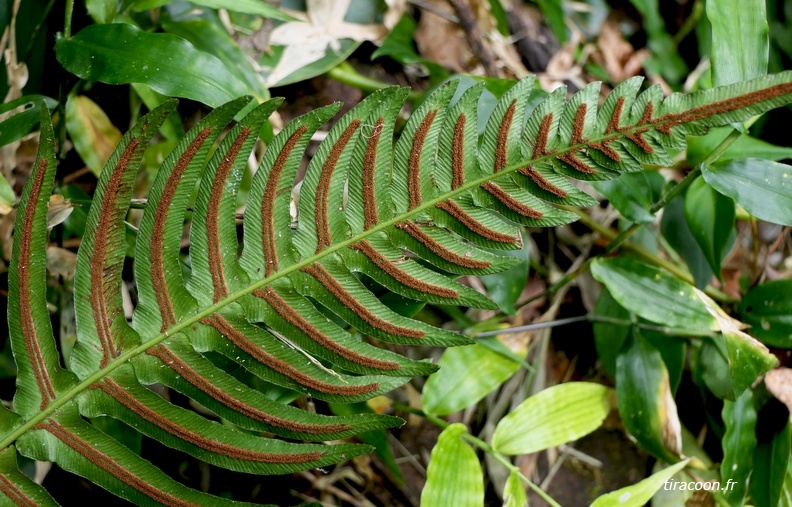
(412,216)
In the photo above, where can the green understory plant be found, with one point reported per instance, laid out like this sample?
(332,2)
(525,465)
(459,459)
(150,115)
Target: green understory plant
(291,303)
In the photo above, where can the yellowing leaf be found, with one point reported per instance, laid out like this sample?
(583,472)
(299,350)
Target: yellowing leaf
(93,135)
(638,494)
(555,416)
(466,375)
(514,492)
(454,475)
(7,196)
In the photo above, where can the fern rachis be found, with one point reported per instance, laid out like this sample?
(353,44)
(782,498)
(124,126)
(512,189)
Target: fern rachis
(363,203)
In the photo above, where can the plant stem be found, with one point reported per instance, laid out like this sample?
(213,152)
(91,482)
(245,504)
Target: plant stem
(345,73)
(593,318)
(648,256)
(683,185)
(690,23)
(67,23)
(484,446)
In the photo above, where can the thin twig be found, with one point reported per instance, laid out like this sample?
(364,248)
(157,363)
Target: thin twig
(475,37)
(434,10)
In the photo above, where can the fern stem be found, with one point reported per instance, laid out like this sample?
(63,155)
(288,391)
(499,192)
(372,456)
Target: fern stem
(346,74)
(484,446)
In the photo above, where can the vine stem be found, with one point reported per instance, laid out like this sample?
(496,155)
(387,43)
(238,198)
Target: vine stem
(484,446)
(345,73)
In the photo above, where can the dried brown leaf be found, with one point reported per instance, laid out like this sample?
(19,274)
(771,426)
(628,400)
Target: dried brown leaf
(779,382)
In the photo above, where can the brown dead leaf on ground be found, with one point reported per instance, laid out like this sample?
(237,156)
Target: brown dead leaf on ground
(59,210)
(562,67)
(441,40)
(618,56)
(61,262)
(508,59)
(779,382)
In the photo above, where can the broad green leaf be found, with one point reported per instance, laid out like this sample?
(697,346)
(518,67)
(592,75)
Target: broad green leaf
(673,349)
(633,194)
(213,39)
(748,358)
(710,217)
(609,338)
(467,374)
(101,11)
(22,123)
(514,494)
(771,455)
(121,53)
(762,187)
(646,403)
(744,147)
(676,230)
(638,494)
(454,475)
(654,294)
(712,368)
(259,7)
(738,444)
(553,12)
(91,131)
(739,40)
(768,309)
(172,129)
(554,416)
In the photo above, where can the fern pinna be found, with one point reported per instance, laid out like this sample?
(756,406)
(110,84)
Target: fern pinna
(412,216)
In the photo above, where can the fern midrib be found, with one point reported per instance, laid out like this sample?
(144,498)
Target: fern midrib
(124,357)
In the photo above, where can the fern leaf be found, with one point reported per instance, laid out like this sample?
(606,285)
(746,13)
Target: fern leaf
(18,487)
(412,217)
(40,379)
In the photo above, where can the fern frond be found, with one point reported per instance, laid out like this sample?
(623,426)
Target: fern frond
(412,217)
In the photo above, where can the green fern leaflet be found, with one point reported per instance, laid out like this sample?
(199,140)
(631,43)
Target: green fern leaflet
(364,204)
